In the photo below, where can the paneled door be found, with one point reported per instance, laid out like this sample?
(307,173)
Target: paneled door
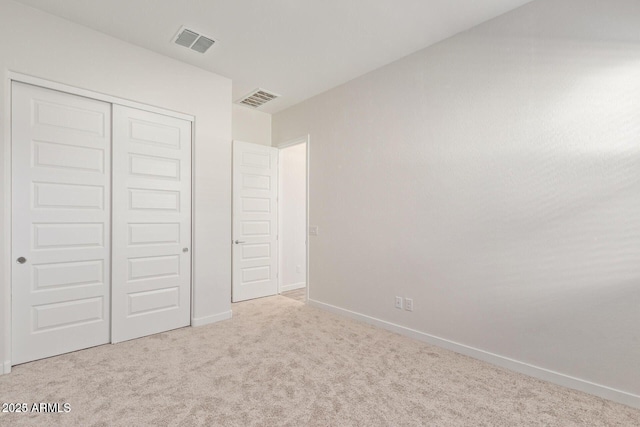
(151,223)
(61,229)
(255,221)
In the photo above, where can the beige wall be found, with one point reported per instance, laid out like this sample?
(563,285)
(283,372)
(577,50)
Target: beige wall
(38,44)
(292,205)
(495,179)
(251,125)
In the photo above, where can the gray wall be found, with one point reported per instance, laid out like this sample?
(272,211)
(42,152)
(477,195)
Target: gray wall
(495,179)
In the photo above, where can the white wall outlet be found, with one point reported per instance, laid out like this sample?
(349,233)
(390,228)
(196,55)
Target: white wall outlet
(313,230)
(399,303)
(408,304)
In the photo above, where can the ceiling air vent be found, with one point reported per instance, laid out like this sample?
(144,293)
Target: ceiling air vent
(193,40)
(257,98)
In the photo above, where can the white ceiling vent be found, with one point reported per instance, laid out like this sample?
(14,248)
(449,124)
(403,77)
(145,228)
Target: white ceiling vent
(257,98)
(193,40)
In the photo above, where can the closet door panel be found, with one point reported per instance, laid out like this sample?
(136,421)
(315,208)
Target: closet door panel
(61,170)
(152,223)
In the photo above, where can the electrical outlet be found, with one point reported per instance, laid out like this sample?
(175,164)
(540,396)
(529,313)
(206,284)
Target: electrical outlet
(408,304)
(399,303)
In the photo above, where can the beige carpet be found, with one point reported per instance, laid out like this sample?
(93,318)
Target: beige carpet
(280,362)
(296,294)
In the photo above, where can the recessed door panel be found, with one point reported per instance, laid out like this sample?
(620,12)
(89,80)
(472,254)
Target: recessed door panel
(154,167)
(154,301)
(256,274)
(66,196)
(256,228)
(155,134)
(141,199)
(255,159)
(154,234)
(69,118)
(66,156)
(68,235)
(68,314)
(255,182)
(64,274)
(255,251)
(154,267)
(256,204)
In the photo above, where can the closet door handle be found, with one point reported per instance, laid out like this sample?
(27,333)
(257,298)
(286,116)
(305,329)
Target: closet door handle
(21,260)
(239,241)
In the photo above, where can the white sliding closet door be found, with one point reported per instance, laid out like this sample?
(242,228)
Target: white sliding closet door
(60,230)
(151,223)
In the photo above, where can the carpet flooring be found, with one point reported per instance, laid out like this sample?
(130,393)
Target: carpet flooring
(296,294)
(279,362)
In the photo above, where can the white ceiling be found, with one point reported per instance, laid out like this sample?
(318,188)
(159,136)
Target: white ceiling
(296,48)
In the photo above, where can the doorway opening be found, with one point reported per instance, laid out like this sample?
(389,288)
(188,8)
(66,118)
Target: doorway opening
(270,220)
(292,219)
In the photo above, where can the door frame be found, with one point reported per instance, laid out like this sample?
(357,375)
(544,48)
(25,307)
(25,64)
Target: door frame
(6,264)
(306,139)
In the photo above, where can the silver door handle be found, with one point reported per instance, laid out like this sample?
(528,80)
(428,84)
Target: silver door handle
(21,260)
(185,249)
(239,241)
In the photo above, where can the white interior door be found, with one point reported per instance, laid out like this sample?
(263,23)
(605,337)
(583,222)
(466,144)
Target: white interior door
(152,223)
(60,228)
(255,221)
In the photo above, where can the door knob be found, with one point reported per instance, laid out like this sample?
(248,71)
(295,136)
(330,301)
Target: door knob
(21,260)
(240,241)
(185,249)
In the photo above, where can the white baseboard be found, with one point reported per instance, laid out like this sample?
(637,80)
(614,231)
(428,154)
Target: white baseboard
(293,286)
(495,359)
(206,320)
(6,367)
